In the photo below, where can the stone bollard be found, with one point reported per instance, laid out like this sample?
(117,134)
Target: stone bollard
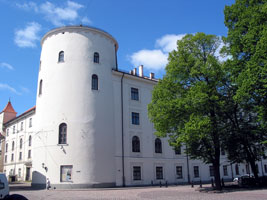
(200,183)
(151,182)
(192,184)
(212,183)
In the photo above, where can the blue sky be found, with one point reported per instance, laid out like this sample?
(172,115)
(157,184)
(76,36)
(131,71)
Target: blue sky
(146,31)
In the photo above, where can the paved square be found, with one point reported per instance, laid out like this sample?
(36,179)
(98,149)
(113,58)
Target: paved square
(170,193)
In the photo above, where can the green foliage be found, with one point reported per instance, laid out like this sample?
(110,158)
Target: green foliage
(247,44)
(186,102)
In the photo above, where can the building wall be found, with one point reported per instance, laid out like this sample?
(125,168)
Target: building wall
(15,131)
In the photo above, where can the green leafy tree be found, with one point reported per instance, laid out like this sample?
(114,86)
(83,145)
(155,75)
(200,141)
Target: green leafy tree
(247,45)
(187,103)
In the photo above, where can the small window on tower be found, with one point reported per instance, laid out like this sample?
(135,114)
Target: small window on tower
(94,82)
(61,56)
(62,139)
(96,57)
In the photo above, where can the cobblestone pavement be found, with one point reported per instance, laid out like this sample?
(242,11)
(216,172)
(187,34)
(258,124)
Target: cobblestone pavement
(175,193)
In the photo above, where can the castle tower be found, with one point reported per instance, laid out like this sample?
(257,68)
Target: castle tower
(74,141)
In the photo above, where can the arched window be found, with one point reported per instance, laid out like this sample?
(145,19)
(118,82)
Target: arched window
(13,146)
(96,57)
(61,56)
(6,147)
(158,146)
(20,143)
(94,82)
(30,140)
(62,136)
(135,144)
(40,87)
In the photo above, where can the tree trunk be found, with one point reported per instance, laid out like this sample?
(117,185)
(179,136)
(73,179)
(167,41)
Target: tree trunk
(217,176)
(254,168)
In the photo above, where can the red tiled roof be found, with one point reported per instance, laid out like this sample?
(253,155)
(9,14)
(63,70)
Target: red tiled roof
(9,108)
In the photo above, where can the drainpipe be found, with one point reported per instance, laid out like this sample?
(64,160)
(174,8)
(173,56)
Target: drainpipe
(122,134)
(116,60)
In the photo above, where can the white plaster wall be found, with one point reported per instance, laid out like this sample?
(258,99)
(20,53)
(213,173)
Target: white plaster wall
(67,97)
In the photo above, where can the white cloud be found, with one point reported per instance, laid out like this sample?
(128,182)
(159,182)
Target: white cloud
(4,86)
(85,20)
(28,36)
(57,15)
(25,90)
(28,6)
(168,42)
(152,59)
(6,65)
(157,58)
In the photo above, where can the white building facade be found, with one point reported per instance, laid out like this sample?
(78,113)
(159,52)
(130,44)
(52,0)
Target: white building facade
(91,126)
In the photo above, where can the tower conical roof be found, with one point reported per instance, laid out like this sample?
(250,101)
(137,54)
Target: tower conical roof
(9,108)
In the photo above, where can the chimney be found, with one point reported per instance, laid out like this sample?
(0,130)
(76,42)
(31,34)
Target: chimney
(134,71)
(141,74)
(151,75)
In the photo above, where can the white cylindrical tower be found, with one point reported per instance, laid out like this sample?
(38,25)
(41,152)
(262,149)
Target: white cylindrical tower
(74,139)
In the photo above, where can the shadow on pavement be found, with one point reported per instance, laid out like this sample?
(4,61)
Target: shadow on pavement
(13,187)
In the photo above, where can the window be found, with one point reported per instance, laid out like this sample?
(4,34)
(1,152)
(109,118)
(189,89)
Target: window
(265,168)
(96,57)
(5,158)
(13,146)
(247,169)
(19,174)
(12,157)
(134,94)
(211,170)
(20,155)
(21,126)
(177,150)
(30,122)
(61,56)
(135,118)
(40,87)
(135,144)
(179,172)
(158,146)
(236,169)
(29,153)
(6,147)
(223,152)
(7,132)
(66,173)
(225,172)
(14,129)
(136,173)
(196,171)
(62,138)
(30,140)
(94,82)
(20,143)
(159,173)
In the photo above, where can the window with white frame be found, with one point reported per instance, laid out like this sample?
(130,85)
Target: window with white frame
(158,146)
(135,144)
(20,155)
(5,158)
(12,157)
(7,132)
(225,171)
(62,136)
(66,173)
(61,56)
(30,140)
(29,154)
(30,122)
(20,143)
(211,168)
(236,169)
(134,94)
(196,171)
(14,129)
(13,145)
(135,118)
(21,126)
(179,172)
(265,168)
(136,173)
(159,172)
(6,147)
